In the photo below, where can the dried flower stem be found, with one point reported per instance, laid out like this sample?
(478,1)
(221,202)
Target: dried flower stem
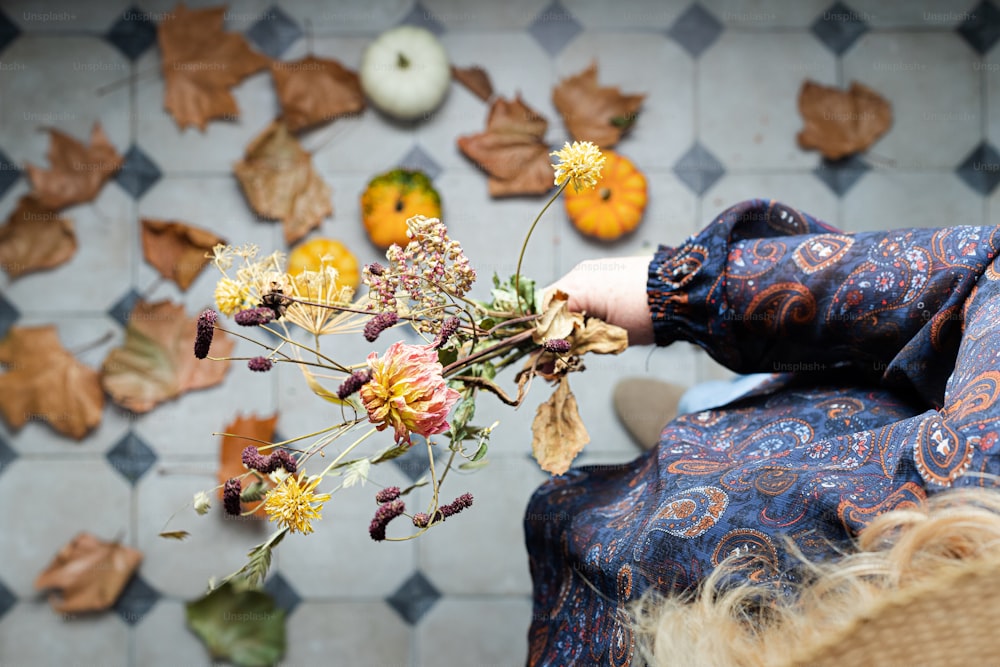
(524,246)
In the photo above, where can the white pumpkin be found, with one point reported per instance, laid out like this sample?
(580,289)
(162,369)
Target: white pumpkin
(405,72)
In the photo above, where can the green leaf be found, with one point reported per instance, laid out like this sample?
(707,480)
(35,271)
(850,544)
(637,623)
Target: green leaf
(474,465)
(447,355)
(464,412)
(357,473)
(416,485)
(487,323)
(242,626)
(481,452)
(391,453)
(256,491)
(259,560)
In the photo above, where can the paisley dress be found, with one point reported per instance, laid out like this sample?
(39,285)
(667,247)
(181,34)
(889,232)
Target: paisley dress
(885,350)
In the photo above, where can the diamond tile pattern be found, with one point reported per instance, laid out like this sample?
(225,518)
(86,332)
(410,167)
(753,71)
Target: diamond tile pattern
(699,169)
(123,307)
(982,27)
(839,27)
(981,170)
(418,159)
(424,18)
(554,28)
(284,595)
(8,31)
(138,173)
(7,455)
(841,175)
(274,32)
(8,315)
(9,173)
(7,599)
(413,463)
(414,598)
(131,457)
(695,30)
(133,33)
(136,600)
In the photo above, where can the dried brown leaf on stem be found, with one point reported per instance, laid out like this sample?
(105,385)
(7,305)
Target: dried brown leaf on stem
(313,91)
(176,250)
(594,113)
(840,123)
(35,238)
(89,574)
(76,172)
(231,451)
(558,433)
(475,79)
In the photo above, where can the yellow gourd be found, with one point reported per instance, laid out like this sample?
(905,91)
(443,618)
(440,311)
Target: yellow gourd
(309,256)
(615,206)
(393,198)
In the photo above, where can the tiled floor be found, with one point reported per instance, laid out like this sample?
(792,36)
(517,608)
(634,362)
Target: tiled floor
(718,125)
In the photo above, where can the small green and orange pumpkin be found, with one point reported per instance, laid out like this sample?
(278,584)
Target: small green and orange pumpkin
(315,253)
(393,198)
(615,206)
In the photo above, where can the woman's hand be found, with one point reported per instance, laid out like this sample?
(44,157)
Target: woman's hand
(612,289)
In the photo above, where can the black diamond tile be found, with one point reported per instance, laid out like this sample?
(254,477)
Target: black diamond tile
(9,173)
(123,307)
(7,599)
(419,160)
(413,463)
(981,28)
(8,31)
(841,175)
(554,28)
(7,456)
(136,600)
(138,172)
(414,598)
(274,32)
(8,315)
(981,170)
(132,33)
(695,30)
(424,18)
(284,595)
(699,169)
(131,457)
(839,27)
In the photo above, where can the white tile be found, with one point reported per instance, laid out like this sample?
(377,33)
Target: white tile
(239,16)
(767,14)
(651,14)
(162,637)
(993,209)
(664,129)
(804,192)
(934,14)
(747,98)
(347,17)
(709,369)
(909,70)
(366,634)
(64,15)
(33,634)
(990,67)
(891,201)
(458,15)
(79,496)
(475,632)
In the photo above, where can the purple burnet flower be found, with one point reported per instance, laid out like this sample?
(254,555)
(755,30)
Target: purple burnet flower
(254,460)
(231,496)
(205,332)
(378,324)
(448,329)
(260,364)
(253,317)
(385,513)
(556,345)
(353,382)
(388,494)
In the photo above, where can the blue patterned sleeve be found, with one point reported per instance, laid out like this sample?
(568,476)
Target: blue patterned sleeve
(766,288)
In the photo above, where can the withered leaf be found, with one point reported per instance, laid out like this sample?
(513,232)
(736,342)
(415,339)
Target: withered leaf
(231,450)
(156,363)
(556,321)
(475,79)
(593,113)
(599,337)
(89,574)
(200,63)
(76,172)
(176,250)
(315,90)
(558,434)
(44,381)
(179,535)
(35,238)
(840,123)
(512,150)
(279,180)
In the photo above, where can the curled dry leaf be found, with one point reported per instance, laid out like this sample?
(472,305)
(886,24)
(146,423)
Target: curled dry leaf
(34,238)
(44,381)
(200,63)
(512,150)
(475,79)
(278,178)
(557,321)
(76,172)
(593,113)
(313,91)
(599,337)
(238,433)
(177,251)
(558,433)
(156,363)
(840,123)
(89,574)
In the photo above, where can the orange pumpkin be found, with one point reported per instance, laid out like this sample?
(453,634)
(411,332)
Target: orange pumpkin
(393,198)
(615,206)
(309,256)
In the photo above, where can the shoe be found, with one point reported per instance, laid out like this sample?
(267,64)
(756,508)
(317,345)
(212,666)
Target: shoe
(644,406)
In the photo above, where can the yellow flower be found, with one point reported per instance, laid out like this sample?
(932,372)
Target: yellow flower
(291,503)
(230,295)
(580,163)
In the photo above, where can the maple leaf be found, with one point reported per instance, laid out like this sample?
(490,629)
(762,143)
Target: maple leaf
(200,63)
(512,150)
(177,251)
(156,363)
(593,113)
(840,123)
(475,79)
(34,238)
(558,434)
(315,90)
(89,574)
(44,381)
(231,450)
(279,180)
(77,172)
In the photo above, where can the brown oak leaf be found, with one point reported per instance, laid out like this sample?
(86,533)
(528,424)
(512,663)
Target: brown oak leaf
(512,150)
(200,63)
(315,90)
(278,178)
(593,113)
(177,251)
(44,381)
(231,452)
(35,238)
(475,79)
(77,172)
(558,434)
(89,574)
(840,123)
(156,362)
